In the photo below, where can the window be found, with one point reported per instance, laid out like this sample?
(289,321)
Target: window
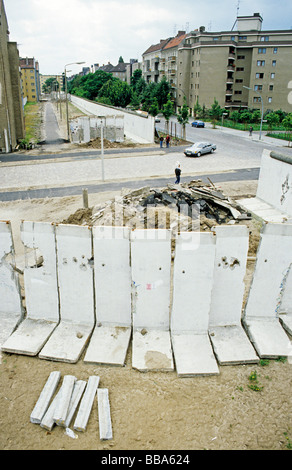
(259,75)
(271,87)
(262,50)
(241,57)
(270,99)
(274,63)
(256,99)
(238,92)
(258,87)
(265,38)
(260,63)
(275,50)
(239,80)
(242,38)
(239,69)
(272,75)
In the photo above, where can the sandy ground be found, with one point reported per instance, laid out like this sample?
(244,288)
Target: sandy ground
(153,410)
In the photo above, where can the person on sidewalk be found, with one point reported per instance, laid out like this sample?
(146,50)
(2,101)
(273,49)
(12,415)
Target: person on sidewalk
(250,130)
(177,173)
(161,141)
(167,140)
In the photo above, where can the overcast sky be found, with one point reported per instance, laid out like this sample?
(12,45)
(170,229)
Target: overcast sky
(57,32)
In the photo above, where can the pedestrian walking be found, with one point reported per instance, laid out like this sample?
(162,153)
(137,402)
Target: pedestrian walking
(177,173)
(161,141)
(167,140)
(250,130)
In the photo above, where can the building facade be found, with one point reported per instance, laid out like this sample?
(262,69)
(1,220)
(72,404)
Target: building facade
(44,78)
(11,107)
(30,77)
(238,68)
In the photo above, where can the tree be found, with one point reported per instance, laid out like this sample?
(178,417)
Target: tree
(197,109)
(51,84)
(162,91)
(135,78)
(154,109)
(273,120)
(287,124)
(183,116)
(117,92)
(215,112)
(167,111)
(121,60)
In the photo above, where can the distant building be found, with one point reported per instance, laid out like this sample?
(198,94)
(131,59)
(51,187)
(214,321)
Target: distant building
(203,66)
(30,77)
(44,78)
(11,107)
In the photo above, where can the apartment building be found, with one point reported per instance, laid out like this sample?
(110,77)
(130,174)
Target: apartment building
(30,77)
(238,68)
(11,107)
(44,78)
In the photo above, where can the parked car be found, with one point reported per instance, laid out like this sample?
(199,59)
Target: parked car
(199,148)
(198,124)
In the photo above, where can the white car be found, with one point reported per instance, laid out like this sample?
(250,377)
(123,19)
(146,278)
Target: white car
(199,148)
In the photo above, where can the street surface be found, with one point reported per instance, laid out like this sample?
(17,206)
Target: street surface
(237,156)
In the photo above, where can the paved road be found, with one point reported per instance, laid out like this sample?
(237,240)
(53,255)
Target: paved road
(23,175)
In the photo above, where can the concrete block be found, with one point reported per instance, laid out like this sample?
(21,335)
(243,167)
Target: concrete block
(48,421)
(192,286)
(112,274)
(45,397)
(64,398)
(78,390)
(11,311)
(75,282)
(104,414)
(85,407)
(261,316)
(285,307)
(230,342)
(41,292)
(150,262)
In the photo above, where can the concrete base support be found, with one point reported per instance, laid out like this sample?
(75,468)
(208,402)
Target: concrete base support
(108,345)
(104,414)
(85,407)
(152,350)
(45,397)
(40,281)
(11,312)
(75,281)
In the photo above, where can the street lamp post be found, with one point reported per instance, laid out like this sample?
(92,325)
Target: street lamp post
(262,116)
(66,93)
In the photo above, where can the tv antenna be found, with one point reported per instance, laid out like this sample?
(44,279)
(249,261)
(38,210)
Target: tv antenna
(237,13)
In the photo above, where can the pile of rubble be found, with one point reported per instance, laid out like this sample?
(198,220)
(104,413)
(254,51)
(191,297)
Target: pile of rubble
(184,207)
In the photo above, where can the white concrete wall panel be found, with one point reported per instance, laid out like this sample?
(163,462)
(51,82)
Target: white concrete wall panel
(229,272)
(261,315)
(11,312)
(192,287)
(112,274)
(75,282)
(41,292)
(150,260)
(192,282)
(275,183)
(137,128)
(151,268)
(112,277)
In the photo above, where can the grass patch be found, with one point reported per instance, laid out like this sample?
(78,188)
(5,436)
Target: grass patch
(33,121)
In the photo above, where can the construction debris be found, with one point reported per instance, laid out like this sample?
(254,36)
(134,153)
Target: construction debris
(185,207)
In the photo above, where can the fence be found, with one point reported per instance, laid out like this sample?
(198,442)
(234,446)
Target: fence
(97,288)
